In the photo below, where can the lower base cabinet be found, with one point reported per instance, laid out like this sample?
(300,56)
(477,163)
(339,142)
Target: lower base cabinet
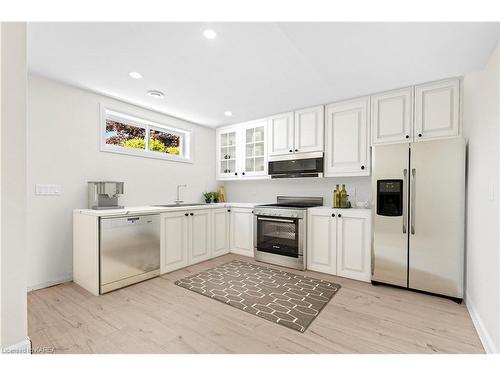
(186,238)
(221,221)
(339,242)
(174,240)
(242,231)
(192,236)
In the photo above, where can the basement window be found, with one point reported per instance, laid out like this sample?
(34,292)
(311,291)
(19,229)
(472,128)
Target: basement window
(130,135)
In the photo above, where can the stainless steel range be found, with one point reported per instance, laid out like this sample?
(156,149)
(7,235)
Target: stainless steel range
(280,231)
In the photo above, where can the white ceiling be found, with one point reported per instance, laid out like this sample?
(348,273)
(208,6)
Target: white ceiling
(253,69)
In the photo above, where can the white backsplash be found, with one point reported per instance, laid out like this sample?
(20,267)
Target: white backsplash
(265,191)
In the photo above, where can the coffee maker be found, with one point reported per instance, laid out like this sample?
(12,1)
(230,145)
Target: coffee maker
(103,195)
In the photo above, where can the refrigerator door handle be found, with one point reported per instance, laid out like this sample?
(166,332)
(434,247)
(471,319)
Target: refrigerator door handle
(413,195)
(405,182)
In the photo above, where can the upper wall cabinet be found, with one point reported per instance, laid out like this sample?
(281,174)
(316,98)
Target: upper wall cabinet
(228,150)
(347,138)
(281,134)
(437,110)
(254,148)
(392,116)
(296,132)
(309,128)
(242,151)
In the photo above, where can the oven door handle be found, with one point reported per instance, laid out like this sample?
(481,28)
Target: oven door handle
(273,219)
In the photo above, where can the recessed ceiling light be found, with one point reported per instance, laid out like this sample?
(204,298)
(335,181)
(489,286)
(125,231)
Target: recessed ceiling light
(209,34)
(135,75)
(155,94)
(228,113)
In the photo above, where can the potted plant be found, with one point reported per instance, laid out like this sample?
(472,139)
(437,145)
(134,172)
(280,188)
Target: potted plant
(208,197)
(215,197)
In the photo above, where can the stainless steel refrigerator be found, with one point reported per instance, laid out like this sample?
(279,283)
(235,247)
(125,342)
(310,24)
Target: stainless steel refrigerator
(419,199)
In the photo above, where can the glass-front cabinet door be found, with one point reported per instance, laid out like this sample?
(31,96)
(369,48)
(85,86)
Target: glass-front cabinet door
(254,148)
(227,153)
(242,151)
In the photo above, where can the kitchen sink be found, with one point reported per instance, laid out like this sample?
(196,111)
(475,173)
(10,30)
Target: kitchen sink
(181,204)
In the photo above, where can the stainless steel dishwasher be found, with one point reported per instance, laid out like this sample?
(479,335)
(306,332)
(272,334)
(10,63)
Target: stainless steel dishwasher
(129,250)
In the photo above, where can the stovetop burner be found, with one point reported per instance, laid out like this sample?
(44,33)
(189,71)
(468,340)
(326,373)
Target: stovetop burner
(295,202)
(291,205)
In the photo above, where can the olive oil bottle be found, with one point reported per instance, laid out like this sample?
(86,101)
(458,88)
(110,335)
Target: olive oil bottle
(336,197)
(343,197)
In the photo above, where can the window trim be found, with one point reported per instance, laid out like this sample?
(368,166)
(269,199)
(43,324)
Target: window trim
(186,136)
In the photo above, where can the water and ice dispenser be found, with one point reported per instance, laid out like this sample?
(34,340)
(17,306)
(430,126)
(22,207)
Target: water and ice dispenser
(390,197)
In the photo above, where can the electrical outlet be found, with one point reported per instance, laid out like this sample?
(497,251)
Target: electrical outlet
(47,189)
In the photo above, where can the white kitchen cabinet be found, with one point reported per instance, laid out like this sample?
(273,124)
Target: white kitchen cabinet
(392,116)
(322,241)
(242,231)
(242,151)
(308,130)
(174,241)
(437,112)
(347,142)
(339,242)
(220,231)
(296,132)
(228,152)
(200,235)
(186,238)
(354,244)
(254,149)
(281,134)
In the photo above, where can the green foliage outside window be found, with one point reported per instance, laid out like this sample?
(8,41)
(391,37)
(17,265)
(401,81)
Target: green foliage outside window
(154,145)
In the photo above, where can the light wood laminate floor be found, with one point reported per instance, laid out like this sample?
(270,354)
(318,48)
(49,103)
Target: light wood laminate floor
(157,316)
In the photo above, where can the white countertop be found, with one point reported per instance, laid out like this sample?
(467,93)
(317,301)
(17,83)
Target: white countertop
(152,209)
(352,208)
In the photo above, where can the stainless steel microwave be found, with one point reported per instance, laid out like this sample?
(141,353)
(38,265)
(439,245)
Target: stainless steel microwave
(294,168)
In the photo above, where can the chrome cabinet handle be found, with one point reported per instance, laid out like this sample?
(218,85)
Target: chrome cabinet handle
(413,195)
(405,182)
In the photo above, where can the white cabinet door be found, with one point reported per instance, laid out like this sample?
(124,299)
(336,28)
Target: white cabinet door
(280,134)
(392,116)
(309,128)
(437,110)
(347,138)
(174,240)
(227,153)
(254,149)
(200,235)
(353,244)
(220,231)
(242,231)
(322,241)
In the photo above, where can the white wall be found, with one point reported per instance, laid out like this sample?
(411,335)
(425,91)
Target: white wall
(263,191)
(13,304)
(481,127)
(63,148)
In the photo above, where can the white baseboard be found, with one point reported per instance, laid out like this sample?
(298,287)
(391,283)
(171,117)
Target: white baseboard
(242,252)
(50,283)
(484,336)
(23,347)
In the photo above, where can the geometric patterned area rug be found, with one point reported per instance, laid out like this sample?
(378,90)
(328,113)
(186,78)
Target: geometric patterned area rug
(289,299)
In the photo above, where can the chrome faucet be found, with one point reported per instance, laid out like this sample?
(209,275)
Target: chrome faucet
(179,200)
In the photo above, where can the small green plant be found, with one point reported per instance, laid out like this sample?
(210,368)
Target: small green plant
(208,197)
(215,196)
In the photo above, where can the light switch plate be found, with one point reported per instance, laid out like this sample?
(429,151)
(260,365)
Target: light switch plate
(47,189)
